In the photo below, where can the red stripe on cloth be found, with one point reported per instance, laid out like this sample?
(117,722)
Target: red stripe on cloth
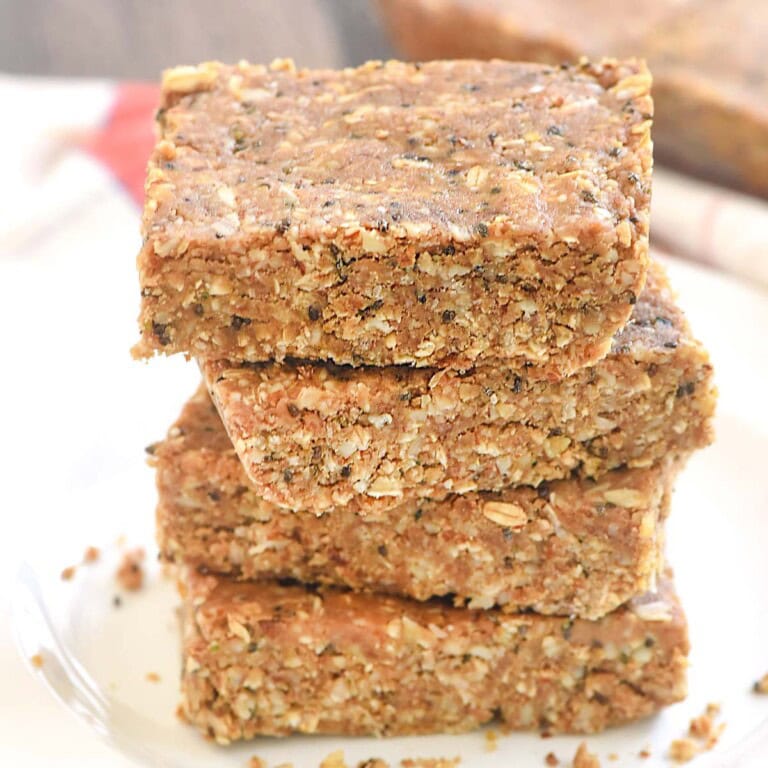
(123,144)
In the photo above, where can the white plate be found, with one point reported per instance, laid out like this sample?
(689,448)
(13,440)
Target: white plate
(97,656)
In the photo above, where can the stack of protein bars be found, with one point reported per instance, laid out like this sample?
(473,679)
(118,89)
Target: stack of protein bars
(446,397)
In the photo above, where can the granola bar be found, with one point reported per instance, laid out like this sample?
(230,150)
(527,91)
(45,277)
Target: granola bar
(707,58)
(261,658)
(712,88)
(316,436)
(548,31)
(442,214)
(575,547)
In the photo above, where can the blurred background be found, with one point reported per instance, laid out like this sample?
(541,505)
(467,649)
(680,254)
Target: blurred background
(136,39)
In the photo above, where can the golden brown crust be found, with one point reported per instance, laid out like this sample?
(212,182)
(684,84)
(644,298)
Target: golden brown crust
(430,215)
(576,547)
(317,436)
(269,659)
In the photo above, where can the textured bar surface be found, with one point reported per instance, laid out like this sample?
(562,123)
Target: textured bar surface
(317,436)
(710,78)
(432,215)
(575,547)
(260,658)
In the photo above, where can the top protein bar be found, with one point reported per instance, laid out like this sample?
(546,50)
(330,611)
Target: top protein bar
(440,214)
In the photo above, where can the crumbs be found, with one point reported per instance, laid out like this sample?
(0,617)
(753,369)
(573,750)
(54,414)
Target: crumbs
(130,574)
(90,556)
(336,760)
(491,741)
(152,677)
(683,750)
(36,661)
(584,758)
(703,734)
(761,685)
(69,573)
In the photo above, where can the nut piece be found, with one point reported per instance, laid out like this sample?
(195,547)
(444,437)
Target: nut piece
(187,79)
(384,486)
(476,176)
(505,513)
(651,610)
(761,685)
(625,497)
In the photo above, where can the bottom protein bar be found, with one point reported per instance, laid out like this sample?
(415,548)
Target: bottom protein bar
(272,658)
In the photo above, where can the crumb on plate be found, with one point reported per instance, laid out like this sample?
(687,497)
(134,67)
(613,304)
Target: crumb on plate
(334,760)
(761,685)
(704,728)
(491,741)
(68,573)
(130,574)
(551,760)
(700,727)
(257,762)
(91,555)
(584,758)
(153,677)
(36,661)
(683,750)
